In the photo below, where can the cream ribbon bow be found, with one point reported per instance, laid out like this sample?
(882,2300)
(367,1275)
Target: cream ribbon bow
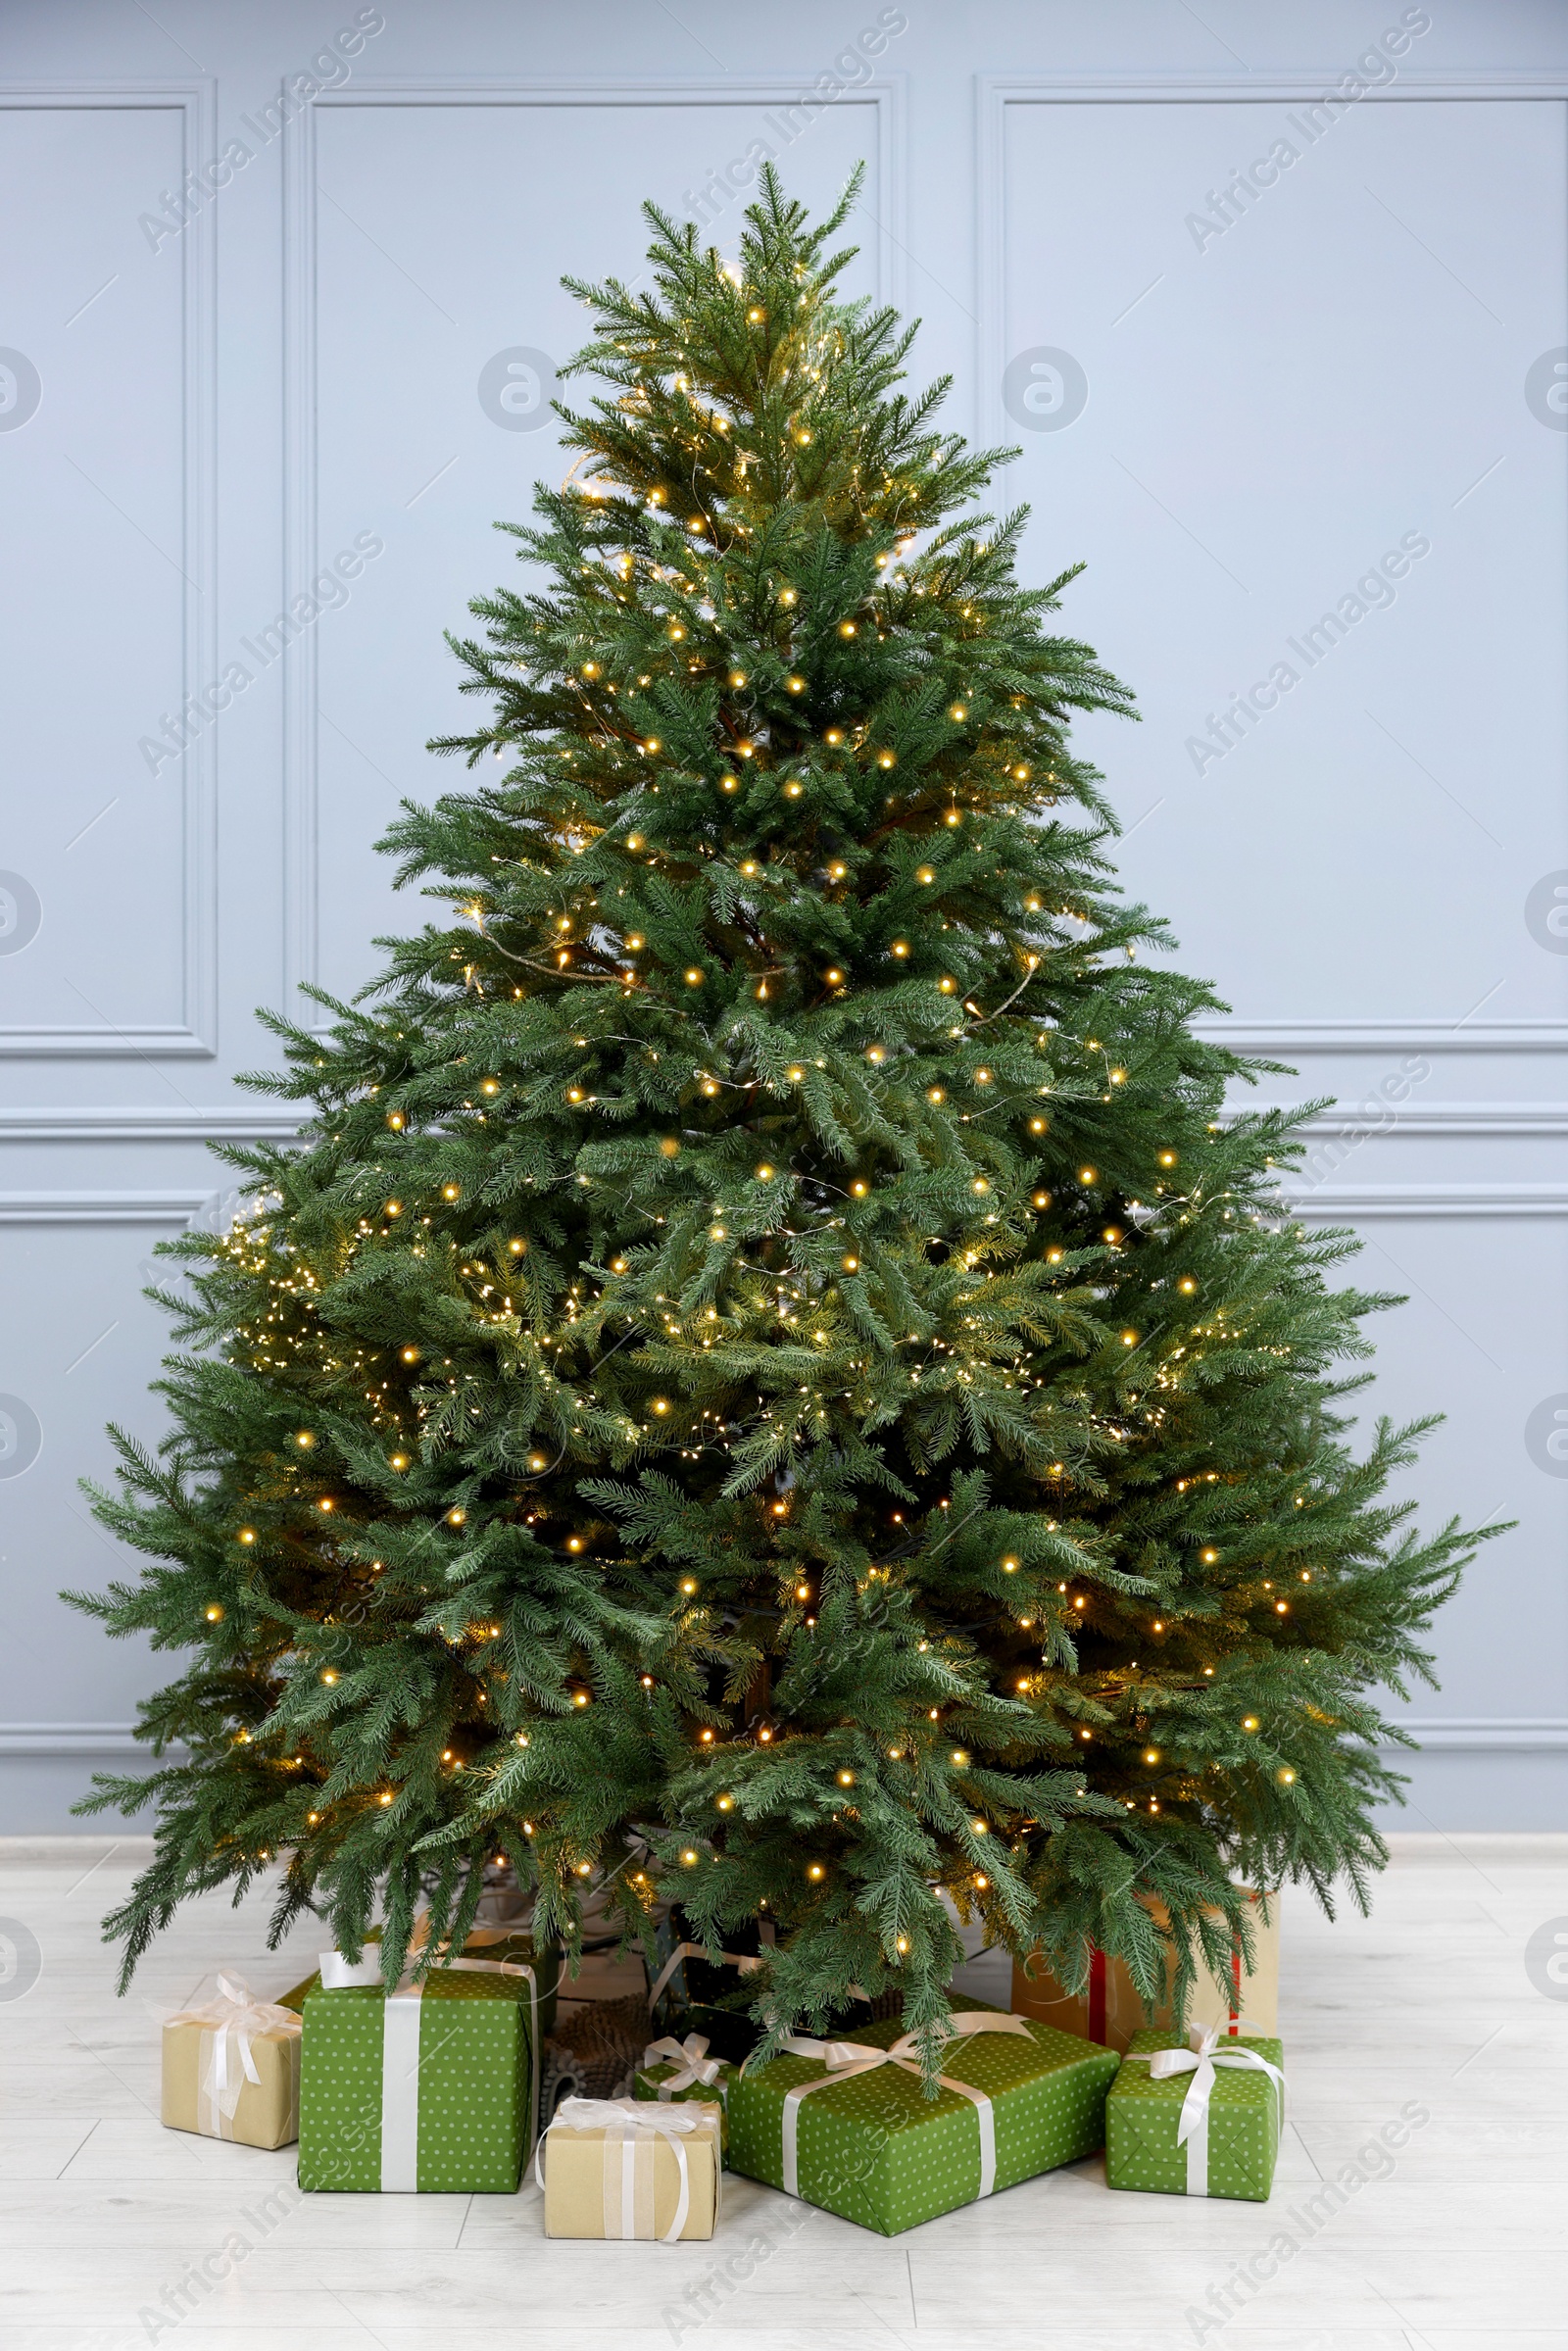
(231,2023)
(695,2068)
(848,2060)
(629,2174)
(400,2041)
(1201,2060)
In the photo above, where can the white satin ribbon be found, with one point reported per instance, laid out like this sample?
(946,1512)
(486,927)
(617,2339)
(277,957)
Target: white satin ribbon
(746,1962)
(632,2131)
(225,2061)
(695,2069)
(400,2047)
(847,2060)
(1201,2060)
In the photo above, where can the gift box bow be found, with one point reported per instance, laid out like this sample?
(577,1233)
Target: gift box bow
(848,2060)
(230,2025)
(1200,2061)
(628,2177)
(695,2069)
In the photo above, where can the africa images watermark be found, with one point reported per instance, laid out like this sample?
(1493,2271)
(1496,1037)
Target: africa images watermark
(1377,1113)
(1373,592)
(201,2277)
(327,593)
(329,69)
(787,123)
(1375,68)
(1306,2220)
(706,2296)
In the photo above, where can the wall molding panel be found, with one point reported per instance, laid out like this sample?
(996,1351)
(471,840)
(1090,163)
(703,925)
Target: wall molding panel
(1482,1736)
(71,1739)
(176,1208)
(1346,1204)
(1308,1037)
(195,1035)
(1304,1036)
(1407,1119)
(1479,1736)
(238,1123)
(106,1123)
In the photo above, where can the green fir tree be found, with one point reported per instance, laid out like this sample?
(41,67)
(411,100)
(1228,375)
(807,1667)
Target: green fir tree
(772,1383)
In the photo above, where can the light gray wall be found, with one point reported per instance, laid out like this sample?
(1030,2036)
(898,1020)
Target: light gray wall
(1259,400)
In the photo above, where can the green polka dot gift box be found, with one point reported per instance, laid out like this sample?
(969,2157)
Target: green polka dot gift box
(1198,2121)
(679,2072)
(846,2124)
(433,2088)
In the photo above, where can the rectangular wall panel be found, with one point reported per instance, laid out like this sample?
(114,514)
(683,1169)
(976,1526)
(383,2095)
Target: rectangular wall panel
(1294,421)
(107,600)
(79,1343)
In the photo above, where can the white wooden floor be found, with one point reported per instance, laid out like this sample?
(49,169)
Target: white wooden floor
(106,2219)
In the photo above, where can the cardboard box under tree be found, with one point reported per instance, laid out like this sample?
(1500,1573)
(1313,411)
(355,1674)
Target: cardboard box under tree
(1110,2008)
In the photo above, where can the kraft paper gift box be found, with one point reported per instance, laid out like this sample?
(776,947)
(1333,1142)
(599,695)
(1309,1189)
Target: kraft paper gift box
(614,2168)
(1200,2121)
(431,2089)
(846,2124)
(231,2069)
(1110,2008)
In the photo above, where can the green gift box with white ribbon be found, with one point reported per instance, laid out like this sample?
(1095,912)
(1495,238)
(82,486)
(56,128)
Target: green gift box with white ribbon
(846,2124)
(681,2072)
(1201,2120)
(431,2089)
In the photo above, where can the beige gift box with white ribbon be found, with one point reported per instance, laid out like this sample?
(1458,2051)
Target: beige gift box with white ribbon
(614,2168)
(231,2069)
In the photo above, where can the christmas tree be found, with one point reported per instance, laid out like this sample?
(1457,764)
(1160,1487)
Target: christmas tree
(772,1383)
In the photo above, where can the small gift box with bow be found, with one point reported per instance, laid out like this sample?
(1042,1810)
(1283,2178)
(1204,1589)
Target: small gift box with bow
(231,2069)
(432,2087)
(682,2071)
(615,2168)
(846,2124)
(1203,2121)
